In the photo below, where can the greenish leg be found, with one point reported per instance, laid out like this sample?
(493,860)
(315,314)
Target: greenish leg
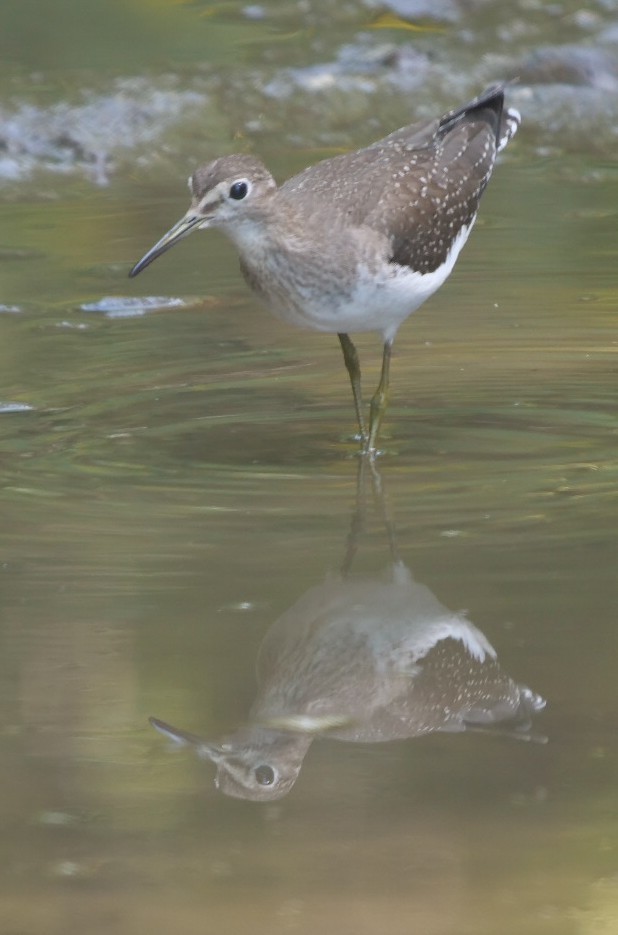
(350,357)
(379,400)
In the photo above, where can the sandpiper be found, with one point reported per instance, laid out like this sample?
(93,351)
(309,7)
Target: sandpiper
(363,659)
(360,241)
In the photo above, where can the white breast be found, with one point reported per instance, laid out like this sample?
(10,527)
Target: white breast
(376,302)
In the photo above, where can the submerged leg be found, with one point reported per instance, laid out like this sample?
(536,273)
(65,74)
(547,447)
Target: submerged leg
(357,524)
(350,357)
(379,400)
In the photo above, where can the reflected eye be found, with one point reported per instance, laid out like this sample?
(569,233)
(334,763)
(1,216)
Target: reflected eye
(238,190)
(264,775)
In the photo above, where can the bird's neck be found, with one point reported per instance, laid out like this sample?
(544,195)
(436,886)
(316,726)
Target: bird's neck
(259,234)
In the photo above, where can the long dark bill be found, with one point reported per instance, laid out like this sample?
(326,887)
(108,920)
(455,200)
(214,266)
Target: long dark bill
(184,227)
(183,738)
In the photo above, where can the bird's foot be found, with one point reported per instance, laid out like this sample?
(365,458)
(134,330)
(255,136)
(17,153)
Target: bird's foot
(370,452)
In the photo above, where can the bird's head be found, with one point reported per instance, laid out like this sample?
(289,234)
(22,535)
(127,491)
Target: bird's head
(229,192)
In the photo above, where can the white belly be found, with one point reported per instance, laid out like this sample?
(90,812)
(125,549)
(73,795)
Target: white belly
(376,302)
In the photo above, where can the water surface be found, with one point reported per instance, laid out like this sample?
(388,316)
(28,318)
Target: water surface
(177,475)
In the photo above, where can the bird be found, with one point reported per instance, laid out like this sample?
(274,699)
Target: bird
(362,659)
(357,242)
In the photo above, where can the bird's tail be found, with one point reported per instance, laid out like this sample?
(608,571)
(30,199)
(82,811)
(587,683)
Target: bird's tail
(509,125)
(504,120)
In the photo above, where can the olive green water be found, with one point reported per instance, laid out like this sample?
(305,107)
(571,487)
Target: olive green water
(173,482)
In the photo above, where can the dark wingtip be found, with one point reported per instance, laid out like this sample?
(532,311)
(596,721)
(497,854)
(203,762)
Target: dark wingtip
(490,104)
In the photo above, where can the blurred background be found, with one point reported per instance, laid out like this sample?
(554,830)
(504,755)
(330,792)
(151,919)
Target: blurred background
(179,472)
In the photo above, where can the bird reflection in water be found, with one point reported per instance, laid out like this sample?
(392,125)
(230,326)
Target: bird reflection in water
(365,660)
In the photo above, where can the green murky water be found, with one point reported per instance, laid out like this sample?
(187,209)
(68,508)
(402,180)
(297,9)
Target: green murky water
(174,482)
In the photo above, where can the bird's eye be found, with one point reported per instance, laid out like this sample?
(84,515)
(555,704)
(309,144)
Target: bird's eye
(238,190)
(264,775)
